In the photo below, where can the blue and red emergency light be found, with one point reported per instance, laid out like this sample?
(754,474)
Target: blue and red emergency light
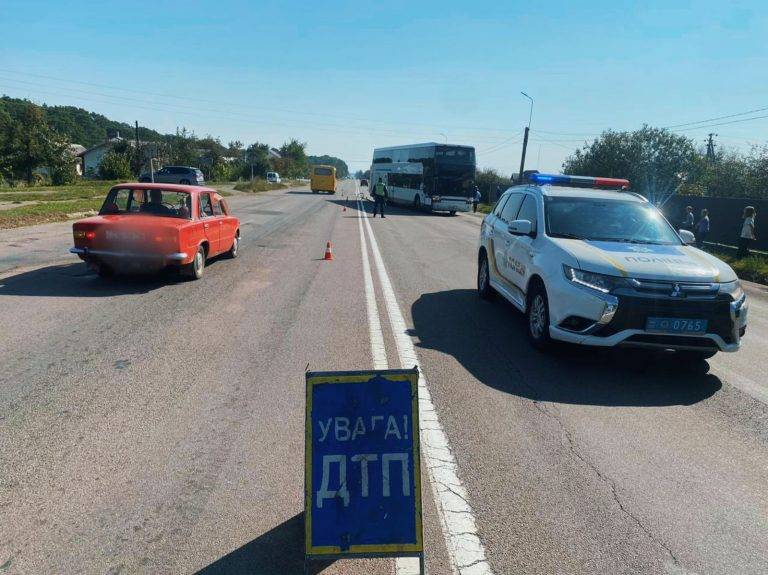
(578,181)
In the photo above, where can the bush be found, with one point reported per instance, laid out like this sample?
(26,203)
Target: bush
(115,166)
(64,174)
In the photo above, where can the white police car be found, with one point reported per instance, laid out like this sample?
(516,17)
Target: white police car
(590,263)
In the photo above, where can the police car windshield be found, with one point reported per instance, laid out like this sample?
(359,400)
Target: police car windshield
(607,220)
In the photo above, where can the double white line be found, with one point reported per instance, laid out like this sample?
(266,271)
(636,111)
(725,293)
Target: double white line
(465,549)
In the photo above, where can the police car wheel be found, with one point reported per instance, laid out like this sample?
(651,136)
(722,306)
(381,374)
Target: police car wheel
(694,356)
(538,317)
(105,271)
(484,289)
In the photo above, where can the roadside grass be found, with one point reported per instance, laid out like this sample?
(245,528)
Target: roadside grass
(485,208)
(258,185)
(45,212)
(51,203)
(753,268)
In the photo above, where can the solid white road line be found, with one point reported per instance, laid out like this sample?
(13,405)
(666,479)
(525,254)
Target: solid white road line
(403,565)
(465,549)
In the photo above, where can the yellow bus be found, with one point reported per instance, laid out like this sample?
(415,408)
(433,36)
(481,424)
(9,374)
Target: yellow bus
(323,179)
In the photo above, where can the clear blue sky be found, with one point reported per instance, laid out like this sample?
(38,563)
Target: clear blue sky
(348,76)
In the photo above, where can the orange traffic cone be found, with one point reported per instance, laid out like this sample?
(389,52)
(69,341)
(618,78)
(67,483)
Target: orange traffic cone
(328,252)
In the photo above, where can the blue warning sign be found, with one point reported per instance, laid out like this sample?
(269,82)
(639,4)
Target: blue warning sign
(363,482)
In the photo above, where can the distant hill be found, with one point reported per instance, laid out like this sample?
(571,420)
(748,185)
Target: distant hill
(342,170)
(79,126)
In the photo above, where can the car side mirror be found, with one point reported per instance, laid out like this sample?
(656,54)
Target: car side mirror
(687,236)
(520,228)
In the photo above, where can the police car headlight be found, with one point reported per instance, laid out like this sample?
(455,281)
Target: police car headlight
(733,289)
(598,282)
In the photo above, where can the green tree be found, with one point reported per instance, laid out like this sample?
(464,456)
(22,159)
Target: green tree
(256,155)
(31,143)
(656,161)
(115,166)
(294,162)
(342,170)
(489,181)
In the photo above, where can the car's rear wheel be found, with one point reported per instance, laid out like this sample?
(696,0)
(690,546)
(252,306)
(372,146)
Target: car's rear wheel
(196,269)
(232,253)
(537,316)
(452,212)
(484,289)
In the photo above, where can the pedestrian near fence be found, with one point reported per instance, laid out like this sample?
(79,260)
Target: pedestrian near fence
(747,235)
(687,222)
(475,198)
(702,228)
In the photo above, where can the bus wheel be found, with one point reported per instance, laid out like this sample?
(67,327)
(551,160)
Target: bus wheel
(314,191)
(453,212)
(417,203)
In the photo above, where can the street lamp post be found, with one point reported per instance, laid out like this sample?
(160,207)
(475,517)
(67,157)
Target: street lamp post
(525,139)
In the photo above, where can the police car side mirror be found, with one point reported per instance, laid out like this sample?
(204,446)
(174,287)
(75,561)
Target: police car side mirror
(687,237)
(520,228)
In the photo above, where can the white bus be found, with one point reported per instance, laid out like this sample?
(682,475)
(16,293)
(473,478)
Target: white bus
(435,177)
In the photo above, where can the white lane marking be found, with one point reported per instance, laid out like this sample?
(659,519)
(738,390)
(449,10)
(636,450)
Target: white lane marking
(457,520)
(745,384)
(378,351)
(403,565)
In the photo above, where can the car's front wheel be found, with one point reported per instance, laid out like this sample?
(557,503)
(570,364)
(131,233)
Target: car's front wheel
(484,289)
(537,316)
(195,269)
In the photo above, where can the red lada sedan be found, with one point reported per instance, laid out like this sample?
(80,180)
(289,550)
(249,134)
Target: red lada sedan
(146,227)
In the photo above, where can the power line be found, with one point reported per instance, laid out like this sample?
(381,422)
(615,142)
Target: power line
(718,118)
(218,102)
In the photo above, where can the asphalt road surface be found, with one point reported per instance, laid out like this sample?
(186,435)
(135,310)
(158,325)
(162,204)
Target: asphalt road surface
(154,425)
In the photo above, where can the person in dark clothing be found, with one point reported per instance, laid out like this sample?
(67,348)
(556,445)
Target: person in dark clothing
(380,194)
(687,223)
(476,197)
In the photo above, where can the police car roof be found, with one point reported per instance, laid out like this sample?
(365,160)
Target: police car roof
(570,192)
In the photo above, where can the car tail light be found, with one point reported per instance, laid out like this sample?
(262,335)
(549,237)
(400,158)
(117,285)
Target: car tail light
(83,235)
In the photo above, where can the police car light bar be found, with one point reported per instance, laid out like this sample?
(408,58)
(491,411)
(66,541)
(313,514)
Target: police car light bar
(578,181)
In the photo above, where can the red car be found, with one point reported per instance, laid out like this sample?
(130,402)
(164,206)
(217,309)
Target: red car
(144,227)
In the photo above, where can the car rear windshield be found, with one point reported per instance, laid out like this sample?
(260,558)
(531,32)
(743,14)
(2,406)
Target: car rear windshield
(607,220)
(322,171)
(153,202)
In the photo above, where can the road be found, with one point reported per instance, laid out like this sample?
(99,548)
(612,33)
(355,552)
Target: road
(153,425)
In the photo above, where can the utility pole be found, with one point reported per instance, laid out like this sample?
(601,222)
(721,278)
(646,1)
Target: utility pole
(710,149)
(139,159)
(525,140)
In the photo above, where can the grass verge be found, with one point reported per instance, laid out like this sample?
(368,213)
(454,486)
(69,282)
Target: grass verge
(754,268)
(258,185)
(51,203)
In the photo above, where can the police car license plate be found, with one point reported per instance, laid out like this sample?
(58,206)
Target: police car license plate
(676,325)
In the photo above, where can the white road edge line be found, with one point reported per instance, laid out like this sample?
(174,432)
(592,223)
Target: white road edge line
(457,520)
(403,565)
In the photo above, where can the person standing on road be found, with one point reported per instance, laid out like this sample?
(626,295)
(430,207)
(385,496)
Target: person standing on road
(380,194)
(476,198)
(688,219)
(702,228)
(747,232)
